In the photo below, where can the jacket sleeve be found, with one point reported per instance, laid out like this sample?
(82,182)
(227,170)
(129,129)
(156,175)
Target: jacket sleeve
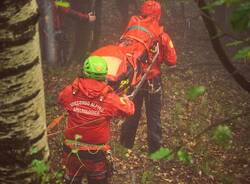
(126,106)
(74,13)
(119,106)
(168,50)
(64,95)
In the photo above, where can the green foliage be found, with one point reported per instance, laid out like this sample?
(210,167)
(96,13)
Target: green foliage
(162,153)
(243,53)
(222,135)
(34,150)
(215,3)
(58,177)
(146,176)
(42,170)
(183,156)
(39,167)
(194,92)
(240,18)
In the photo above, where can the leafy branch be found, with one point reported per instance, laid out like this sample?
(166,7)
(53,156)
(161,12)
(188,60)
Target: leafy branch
(212,30)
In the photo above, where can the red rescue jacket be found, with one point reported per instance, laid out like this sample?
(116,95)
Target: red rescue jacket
(146,31)
(139,37)
(88,100)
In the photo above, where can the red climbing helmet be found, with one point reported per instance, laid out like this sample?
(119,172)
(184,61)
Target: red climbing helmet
(151,8)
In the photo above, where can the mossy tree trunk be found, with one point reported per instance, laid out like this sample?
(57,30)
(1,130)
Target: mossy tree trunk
(22,112)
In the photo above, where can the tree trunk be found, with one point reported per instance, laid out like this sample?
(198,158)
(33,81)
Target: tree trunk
(23,136)
(47,32)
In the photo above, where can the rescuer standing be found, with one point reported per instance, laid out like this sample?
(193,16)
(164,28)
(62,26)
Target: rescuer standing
(145,29)
(90,104)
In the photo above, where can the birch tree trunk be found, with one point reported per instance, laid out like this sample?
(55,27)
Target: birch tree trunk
(22,112)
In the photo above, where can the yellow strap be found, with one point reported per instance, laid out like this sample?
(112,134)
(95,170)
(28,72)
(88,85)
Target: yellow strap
(69,141)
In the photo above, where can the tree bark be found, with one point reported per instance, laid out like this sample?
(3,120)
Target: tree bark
(23,136)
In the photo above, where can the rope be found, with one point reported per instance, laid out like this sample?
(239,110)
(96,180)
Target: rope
(143,79)
(88,123)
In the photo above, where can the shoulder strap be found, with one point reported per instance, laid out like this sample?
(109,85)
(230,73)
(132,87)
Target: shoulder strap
(106,90)
(141,28)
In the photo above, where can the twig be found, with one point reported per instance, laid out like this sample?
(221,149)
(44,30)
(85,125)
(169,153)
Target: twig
(227,120)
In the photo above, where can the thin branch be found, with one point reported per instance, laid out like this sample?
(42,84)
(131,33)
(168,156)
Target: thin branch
(210,127)
(217,25)
(241,80)
(227,120)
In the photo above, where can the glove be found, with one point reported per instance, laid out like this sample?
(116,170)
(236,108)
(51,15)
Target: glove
(124,100)
(91,17)
(129,105)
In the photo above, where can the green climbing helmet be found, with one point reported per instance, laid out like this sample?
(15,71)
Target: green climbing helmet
(95,67)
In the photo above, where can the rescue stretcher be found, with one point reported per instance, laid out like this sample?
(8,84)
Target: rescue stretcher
(126,75)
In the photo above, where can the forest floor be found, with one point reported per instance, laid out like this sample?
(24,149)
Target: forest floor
(182,119)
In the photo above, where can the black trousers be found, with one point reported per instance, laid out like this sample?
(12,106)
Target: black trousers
(153,110)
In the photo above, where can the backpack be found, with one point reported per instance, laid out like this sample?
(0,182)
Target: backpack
(144,30)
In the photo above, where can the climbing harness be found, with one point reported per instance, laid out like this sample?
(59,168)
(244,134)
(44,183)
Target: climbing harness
(77,145)
(153,88)
(144,77)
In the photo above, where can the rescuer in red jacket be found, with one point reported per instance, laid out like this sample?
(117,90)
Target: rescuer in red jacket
(77,14)
(145,29)
(91,104)
(77,27)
